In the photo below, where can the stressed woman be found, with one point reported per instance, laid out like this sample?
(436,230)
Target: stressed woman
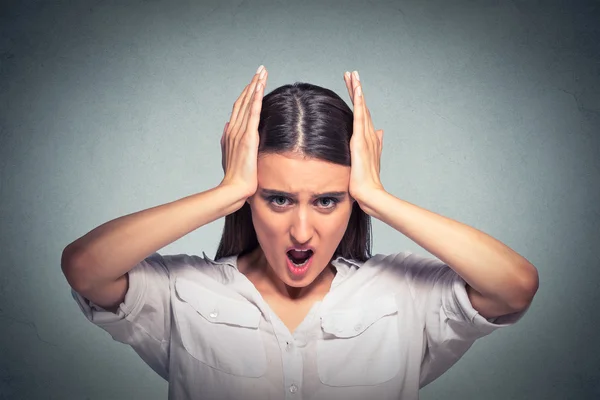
(294,305)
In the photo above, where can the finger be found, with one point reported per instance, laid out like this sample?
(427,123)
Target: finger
(223,145)
(236,106)
(359,103)
(369,130)
(366,113)
(379,134)
(355,84)
(252,116)
(253,119)
(244,104)
(356,81)
(371,127)
(224,134)
(358,124)
(348,81)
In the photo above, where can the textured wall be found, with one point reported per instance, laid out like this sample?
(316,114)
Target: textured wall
(491,112)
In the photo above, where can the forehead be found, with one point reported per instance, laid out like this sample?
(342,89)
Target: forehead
(293,173)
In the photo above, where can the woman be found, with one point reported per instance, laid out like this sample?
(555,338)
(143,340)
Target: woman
(294,305)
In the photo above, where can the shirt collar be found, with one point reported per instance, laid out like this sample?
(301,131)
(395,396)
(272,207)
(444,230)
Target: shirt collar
(339,262)
(229,260)
(344,267)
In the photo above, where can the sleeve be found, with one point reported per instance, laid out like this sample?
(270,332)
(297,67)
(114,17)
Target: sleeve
(143,319)
(451,323)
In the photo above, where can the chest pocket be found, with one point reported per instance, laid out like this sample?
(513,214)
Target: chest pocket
(360,346)
(219,331)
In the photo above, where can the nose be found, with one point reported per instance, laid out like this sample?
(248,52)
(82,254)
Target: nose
(302,229)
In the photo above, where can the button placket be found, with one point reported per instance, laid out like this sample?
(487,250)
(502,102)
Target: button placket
(290,346)
(292,366)
(292,361)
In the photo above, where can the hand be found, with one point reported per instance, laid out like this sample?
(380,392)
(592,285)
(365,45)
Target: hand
(239,142)
(365,145)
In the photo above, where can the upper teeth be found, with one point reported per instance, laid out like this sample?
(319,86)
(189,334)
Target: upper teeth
(301,250)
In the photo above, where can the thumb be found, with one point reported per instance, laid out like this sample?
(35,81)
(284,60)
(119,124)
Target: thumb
(224,130)
(380,136)
(223,146)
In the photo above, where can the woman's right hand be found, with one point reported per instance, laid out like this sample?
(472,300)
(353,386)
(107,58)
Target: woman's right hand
(239,142)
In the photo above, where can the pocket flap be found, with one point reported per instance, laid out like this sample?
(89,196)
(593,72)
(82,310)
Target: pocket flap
(217,308)
(353,322)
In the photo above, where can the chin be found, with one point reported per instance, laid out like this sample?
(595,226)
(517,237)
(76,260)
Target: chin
(297,284)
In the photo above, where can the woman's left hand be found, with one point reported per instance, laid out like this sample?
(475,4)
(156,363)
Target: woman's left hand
(365,145)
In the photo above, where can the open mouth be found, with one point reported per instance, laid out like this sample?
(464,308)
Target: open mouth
(299,258)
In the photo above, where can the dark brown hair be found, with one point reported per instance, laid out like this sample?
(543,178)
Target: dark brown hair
(315,122)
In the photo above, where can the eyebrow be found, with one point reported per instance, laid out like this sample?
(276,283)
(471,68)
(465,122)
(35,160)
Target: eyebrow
(272,192)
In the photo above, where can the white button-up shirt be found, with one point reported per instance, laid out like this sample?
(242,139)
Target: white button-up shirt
(386,328)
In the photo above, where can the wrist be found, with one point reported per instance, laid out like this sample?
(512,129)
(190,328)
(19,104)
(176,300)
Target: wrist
(369,201)
(233,191)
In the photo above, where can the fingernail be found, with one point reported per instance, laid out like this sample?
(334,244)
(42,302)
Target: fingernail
(356,75)
(347,74)
(260,69)
(262,73)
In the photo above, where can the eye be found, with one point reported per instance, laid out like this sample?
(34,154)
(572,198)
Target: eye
(270,199)
(332,201)
(326,202)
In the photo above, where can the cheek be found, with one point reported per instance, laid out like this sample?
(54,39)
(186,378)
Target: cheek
(266,223)
(337,226)
(334,226)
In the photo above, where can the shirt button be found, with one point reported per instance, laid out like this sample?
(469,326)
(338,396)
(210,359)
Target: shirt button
(214,314)
(357,327)
(293,388)
(288,346)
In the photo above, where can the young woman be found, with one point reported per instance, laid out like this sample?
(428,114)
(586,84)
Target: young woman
(294,305)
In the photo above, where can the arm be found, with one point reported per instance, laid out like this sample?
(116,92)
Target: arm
(499,281)
(103,256)
(96,264)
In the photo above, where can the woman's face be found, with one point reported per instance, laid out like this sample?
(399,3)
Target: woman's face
(290,208)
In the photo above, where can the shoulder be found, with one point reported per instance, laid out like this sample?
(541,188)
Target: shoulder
(401,263)
(418,271)
(379,273)
(189,266)
(174,263)
(407,263)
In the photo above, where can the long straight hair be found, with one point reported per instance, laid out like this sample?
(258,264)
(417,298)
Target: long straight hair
(315,122)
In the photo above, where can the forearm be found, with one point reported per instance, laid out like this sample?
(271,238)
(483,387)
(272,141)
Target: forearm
(115,247)
(486,264)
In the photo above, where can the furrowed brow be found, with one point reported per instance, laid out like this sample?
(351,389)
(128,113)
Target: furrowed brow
(272,192)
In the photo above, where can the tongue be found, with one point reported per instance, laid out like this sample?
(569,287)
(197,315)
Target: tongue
(299,257)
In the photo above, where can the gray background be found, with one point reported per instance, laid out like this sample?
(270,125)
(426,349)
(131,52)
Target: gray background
(491,112)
